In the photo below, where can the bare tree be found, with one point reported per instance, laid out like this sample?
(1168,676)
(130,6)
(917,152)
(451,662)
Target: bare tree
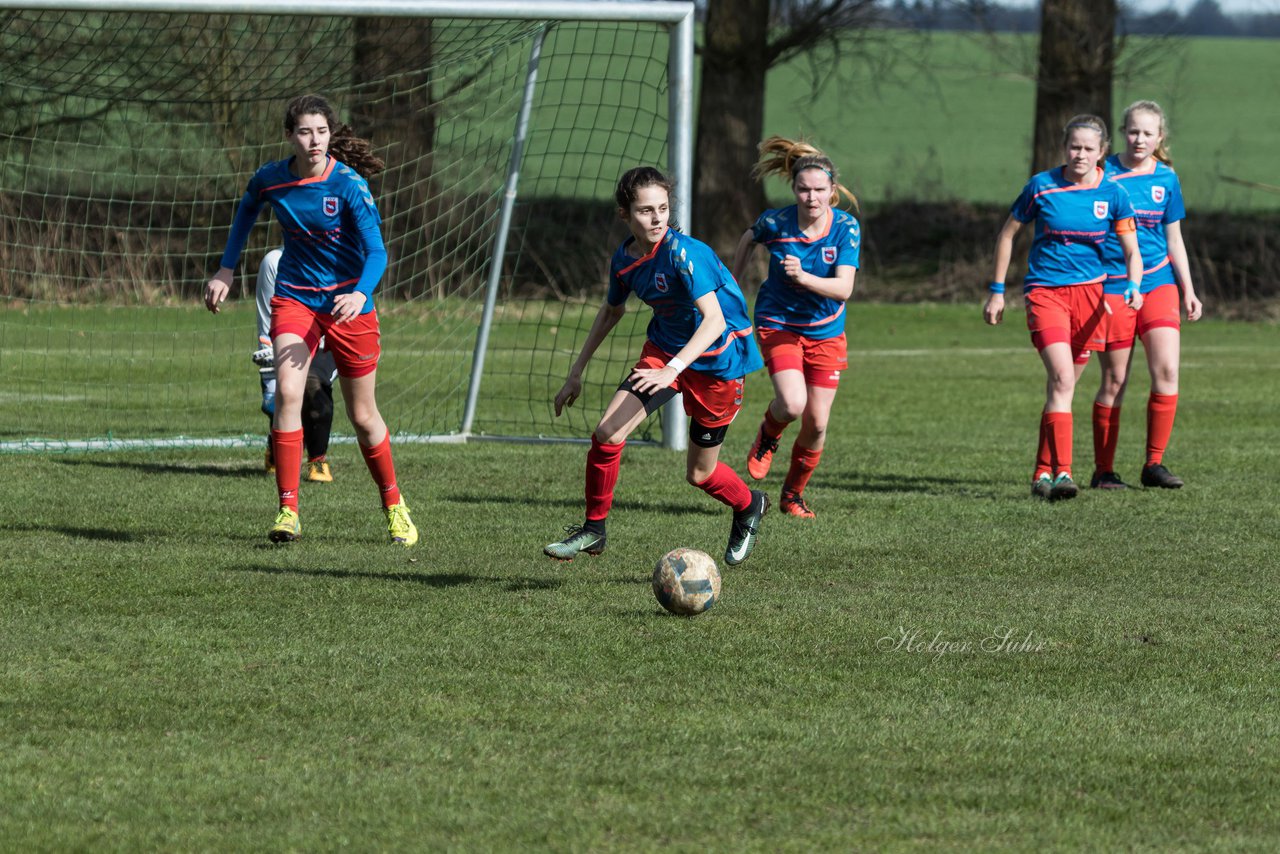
(743,40)
(1077,63)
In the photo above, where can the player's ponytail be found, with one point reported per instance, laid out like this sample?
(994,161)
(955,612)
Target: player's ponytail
(343,142)
(355,151)
(1162,149)
(788,158)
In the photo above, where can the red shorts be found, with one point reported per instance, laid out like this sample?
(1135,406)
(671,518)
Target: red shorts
(355,344)
(1072,314)
(821,361)
(710,401)
(1161,307)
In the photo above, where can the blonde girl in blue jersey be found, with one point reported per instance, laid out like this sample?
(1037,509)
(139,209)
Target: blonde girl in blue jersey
(800,309)
(698,344)
(1074,210)
(333,259)
(1145,170)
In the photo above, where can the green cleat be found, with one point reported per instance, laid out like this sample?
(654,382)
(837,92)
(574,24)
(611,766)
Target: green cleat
(1063,488)
(399,526)
(1042,487)
(578,539)
(287,528)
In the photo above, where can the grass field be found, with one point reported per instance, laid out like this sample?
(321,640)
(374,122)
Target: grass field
(169,680)
(949,115)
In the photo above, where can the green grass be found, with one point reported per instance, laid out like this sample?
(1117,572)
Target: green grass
(950,115)
(169,680)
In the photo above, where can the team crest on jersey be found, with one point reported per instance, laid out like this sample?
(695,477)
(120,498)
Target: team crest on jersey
(829,254)
(1100,209)
(330,206)
(660,282)
(1157,194)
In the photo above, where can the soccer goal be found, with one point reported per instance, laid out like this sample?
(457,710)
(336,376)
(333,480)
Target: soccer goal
(128,130)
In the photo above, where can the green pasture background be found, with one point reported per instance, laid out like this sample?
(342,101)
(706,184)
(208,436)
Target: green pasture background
(943,116)
(169,680)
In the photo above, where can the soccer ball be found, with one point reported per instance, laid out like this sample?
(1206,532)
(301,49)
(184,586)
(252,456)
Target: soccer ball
(686,582)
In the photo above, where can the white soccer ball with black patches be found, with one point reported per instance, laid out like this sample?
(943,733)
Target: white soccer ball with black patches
(686,582)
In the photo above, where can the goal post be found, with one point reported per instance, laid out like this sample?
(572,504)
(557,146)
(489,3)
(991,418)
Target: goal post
(128,131)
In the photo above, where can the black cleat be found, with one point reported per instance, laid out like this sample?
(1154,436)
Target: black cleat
(746,525)
(1158,475)
(1107,480)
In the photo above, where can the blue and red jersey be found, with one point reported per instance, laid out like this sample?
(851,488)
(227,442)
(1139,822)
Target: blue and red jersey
(781,303)
(669,279)
(1156,195)
(1072,225)
(332,233)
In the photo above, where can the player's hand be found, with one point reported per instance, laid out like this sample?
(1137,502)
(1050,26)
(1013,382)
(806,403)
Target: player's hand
(1133,296)
(1193,306)
(993,311)
(347,306)
(792,267)
(568,393)
(650,380)
(217,289)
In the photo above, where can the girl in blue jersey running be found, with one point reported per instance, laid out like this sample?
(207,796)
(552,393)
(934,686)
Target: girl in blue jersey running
(800,310)
(1145,170)
(1074,210)
(698,344)
(333,259)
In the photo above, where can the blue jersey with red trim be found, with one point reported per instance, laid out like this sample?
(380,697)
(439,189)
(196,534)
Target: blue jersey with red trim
(1156,195)
(1072,224)
(678,271)
(781,303)
(332,238)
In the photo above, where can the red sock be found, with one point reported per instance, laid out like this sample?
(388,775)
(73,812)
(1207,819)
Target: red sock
(773,427)
(378,459)
(1106,434)
(1059,424)
(727,487)
(1160,411)
(1043,464)
(286,447)
(803,462)
(603,464)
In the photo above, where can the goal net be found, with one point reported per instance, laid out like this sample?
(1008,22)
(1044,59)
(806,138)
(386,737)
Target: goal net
(127,138)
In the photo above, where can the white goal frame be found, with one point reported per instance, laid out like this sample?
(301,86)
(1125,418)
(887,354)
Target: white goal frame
(677,15)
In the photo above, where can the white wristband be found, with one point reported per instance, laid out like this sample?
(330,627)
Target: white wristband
(676,364)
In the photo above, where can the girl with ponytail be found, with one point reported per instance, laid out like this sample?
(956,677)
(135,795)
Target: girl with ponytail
(1145,170)
(813,255)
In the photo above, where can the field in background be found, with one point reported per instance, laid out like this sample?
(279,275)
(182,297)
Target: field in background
(171,681)
(941,116)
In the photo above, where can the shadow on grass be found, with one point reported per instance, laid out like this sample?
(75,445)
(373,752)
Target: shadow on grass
(712,508)
(438,580)
(106,534)
(239,468)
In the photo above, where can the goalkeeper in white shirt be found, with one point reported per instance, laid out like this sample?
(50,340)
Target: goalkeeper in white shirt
(317,401)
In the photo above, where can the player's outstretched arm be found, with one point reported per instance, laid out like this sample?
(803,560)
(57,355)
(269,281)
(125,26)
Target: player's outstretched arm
(606,318)
(218,288)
